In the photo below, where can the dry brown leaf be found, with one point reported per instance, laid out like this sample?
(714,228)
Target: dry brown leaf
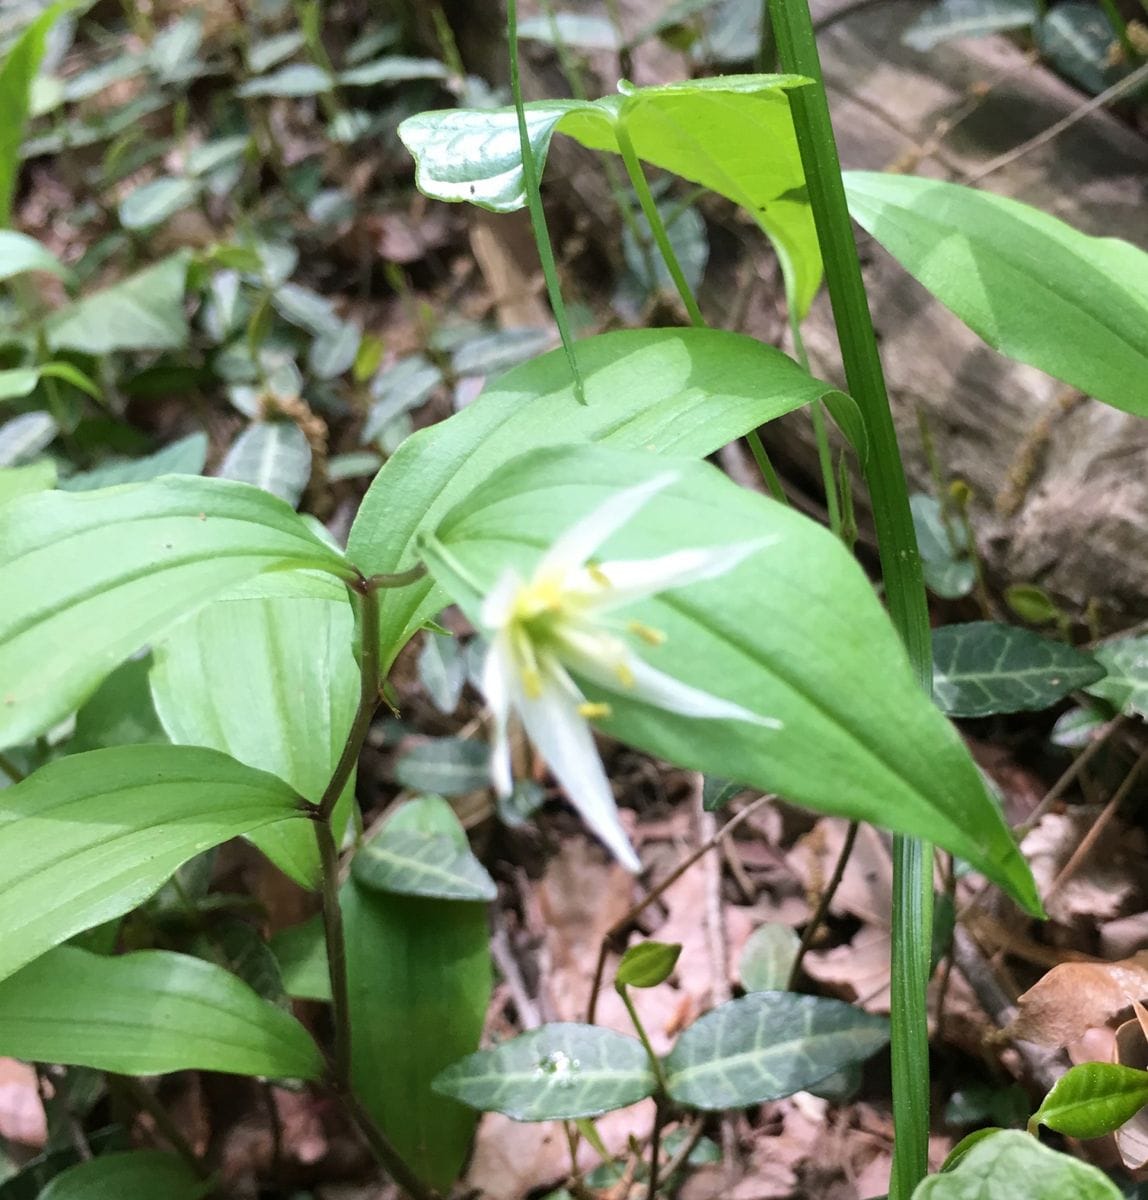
(867,885)
(1131,1050)
(858,971)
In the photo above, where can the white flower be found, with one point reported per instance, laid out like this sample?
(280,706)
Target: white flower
(557,621)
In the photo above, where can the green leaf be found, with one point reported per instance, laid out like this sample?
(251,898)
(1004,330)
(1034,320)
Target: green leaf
(23,437)
(420,979)
(333,353)
(554,1073)
(768,1045)
(89,837)
(450,766)
(26,481)
(306,308)
(582,30)
(297,79)
(148,1013)
(1033,287)
(184,457)
(1125,686)
(142,312)
(1032,604)
(647,964)
(1077,38)
(768,957)
(983,668)
(676,391)
(709,131)
(272,682)
(394,68)
(442,671)
(20,253)
(950,571)
(152,203)
(142,1174)
(422,851)
(891,759)
(274,456)
(18,382)
(119,712)
(301,951)
(1008,1165)
(950,19)
(89,577)
(1092,1099)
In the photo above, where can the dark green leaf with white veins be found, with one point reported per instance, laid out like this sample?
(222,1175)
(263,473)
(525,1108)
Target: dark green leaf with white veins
(451,766)
(709,131)
(557,1072)
(90,577)
(1126,683)
(1033,287)
(768,1045)
(949,19)
(984,667)
(1093,1099)
(675,391)
(89,837)
(422,851)
(793,633)
(1008,1164)
(140,1174)
(272,455)
(147,1014)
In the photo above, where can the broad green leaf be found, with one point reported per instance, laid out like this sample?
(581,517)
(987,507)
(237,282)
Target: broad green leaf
(768,1045)
(184,457)
(394,68)
(420,979)
(1092,1099)
(140,1174)
(142,312)
(1077,39)
(676,391)
(984,667)
(238,947)
(422,851)
(1033,287)
(20,253)
(272,455)
(26,481)
(297,79)
(152,203)
(306,308)
(768,957)
(89,837)
(950,571)
(556,1072)
(647,964)
(272,682)
(1125,686)
(1009,1164)
(333,353)
(450,766)
(23,437)
(794,633)
(301,951)
(148,1013)
(17,382)
(709,131)
(89,577)
(948,19)
(119,712)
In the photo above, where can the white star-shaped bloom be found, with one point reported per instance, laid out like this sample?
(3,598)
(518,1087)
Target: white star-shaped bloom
(560,620)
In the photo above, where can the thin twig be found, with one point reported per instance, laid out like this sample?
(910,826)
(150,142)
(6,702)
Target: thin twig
(15,775)
(656,1147)
(814,923)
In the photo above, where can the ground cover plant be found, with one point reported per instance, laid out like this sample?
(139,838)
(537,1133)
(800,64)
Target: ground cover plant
(188,660)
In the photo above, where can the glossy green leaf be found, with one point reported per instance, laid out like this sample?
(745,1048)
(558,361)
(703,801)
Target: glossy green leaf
(422,851)
(1092,1099)
(647,964)
(768,1045)
(89,577)
(768,957)
(892,760)
(26,481)
(142,312)
(556,1072)
(994,1168)
(449,766)
(183,457)
(984,667)
(274,456)
(148,1013)
(1033,287)
(420,979)
(272,682)
(20,253)
(676,391)
(152,203)
(139,1174)
(1125,686)
(709,131)
(948,19)
(89,837)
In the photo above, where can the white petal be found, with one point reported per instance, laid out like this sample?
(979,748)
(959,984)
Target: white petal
(564,740)
(499,602)
(573,547)
(634,579)
(497,673)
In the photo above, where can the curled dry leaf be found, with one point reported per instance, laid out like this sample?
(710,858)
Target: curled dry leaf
(1131,1050)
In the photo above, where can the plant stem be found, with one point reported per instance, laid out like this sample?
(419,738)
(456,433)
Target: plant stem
(820,436)
(656,1147)
(900,569)
(655,1061)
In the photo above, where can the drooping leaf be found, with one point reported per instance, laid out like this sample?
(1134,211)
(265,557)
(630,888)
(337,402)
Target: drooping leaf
(708,131)
(1126,683)
(948,19)
(768,957)
(89,577)
(1092,1099)
(89,837)
(142,1174)
(272,682)
(272,455)
(768,1045)
(449,766)
(679,391)
(994,1167)
(142,312)
(556,1072)
(985,667)
(893,760)
(1033,287)
(20,253)
(148,1013)
(152,203)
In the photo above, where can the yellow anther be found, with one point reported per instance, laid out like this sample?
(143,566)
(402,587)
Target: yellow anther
(625,675)
(532,683)
(593,711)
(598,575)
(649,635)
